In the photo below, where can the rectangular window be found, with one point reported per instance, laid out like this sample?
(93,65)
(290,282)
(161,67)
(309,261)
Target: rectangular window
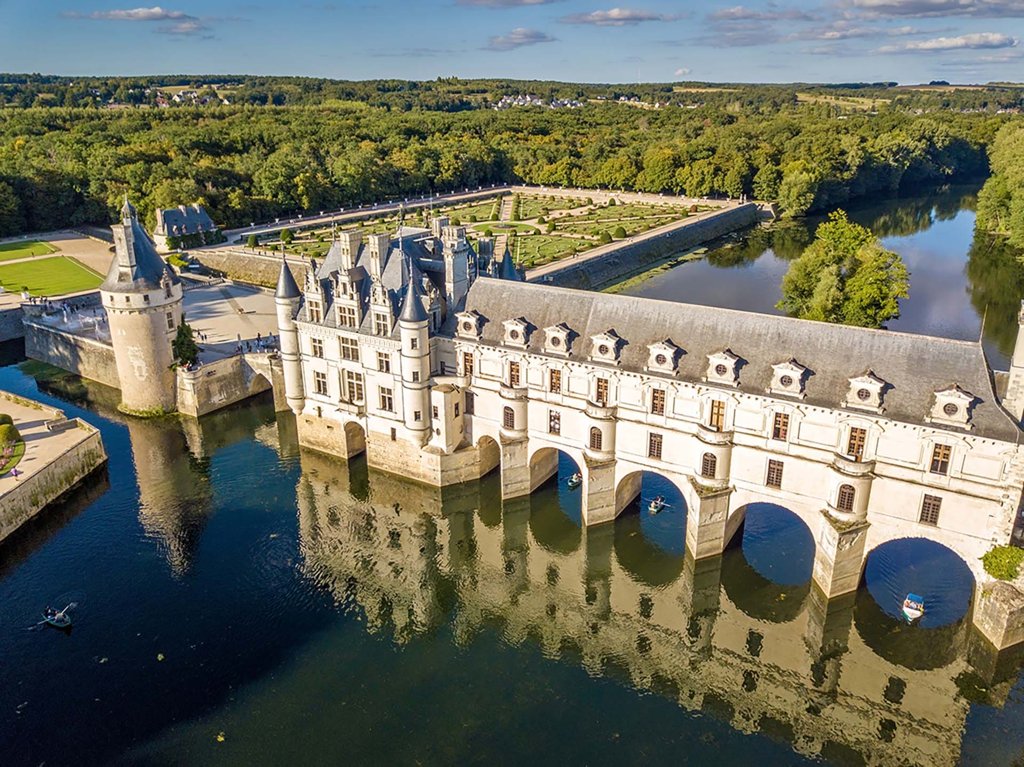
(774,476)
(780,427)
(381,326)
(354,386)
(658,402)
(315,312)
(316,346)
(347,316)
(554,422)
(508,418)
(602,391)
(513,374)
(654,446)
(415,376)
(931,505)
(940,459)
(387,400)
(470,403)
(467,364)
(555,381)
(456,409)
(170,321)
(417,415)
(145,298)
(717,419)
(383,362)
(855,445)
(320,382)
(350,349)
(433,411)
(414,343)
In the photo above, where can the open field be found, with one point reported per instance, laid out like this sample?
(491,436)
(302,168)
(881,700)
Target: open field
(48,277)
(10,251)
(540,228)
(847,102)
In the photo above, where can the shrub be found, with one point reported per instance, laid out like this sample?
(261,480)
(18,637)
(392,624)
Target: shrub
(456,222)
(253,242)
(9,434)
(604,238)
(541,220)
(488,232)
(590,201)
(551,227)
(1003,562)
(612,202)
(472,219)
(619,233)
(4,418)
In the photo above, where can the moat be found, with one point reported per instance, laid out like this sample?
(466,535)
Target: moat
(243,601)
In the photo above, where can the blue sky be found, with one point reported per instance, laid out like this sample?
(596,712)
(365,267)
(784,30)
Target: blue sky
(578,40)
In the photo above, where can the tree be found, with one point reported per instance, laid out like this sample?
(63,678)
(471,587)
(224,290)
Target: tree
(845,276)
(619,233)
(604,238)
(287,236)
(253,242)
(184,346)
(796,192)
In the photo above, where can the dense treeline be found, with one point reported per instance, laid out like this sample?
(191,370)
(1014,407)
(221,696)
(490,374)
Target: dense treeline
(1001,200)
(62,166)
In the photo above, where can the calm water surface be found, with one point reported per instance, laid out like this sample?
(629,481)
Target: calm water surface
(955,277)
(245,602)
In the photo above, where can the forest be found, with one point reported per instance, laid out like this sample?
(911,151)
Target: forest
(320,145)
(1001,200)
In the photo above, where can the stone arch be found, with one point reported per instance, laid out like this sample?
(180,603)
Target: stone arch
(931,569)
(650,547)
(768,564)
(488,455)
(258,383)
(556,516)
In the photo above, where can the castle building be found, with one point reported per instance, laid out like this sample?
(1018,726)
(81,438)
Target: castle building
(143,299)
(184,223)
(402,348)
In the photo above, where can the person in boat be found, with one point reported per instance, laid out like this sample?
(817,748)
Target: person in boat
(49,612)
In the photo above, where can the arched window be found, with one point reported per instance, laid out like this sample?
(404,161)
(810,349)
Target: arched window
(508,419)
(708,465)
(596,438)
(844,502)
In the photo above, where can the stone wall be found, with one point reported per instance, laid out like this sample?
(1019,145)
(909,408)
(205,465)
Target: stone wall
(10,324)
(217,385)
(83,356)
(46,485)
(249,267)
(593,273)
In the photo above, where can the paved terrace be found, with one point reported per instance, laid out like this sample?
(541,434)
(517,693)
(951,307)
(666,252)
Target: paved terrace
(351,215)
(225,314)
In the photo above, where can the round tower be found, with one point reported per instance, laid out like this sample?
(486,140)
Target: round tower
(287,300)
(415,339)
(143,300)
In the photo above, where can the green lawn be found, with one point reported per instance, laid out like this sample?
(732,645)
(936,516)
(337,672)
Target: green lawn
(12,250)
(541,249)
(48,277)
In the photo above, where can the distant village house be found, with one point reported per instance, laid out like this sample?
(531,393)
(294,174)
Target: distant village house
(187,226)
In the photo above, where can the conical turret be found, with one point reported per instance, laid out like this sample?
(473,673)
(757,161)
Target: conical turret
(287,299)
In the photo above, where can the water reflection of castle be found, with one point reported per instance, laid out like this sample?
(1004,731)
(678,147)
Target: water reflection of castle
(413,557)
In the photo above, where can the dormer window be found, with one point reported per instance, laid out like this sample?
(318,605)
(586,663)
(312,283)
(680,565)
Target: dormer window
(788,379)
(953,407)
(723,368)
(516,332)
(606,347)
(558,339)
(866,393)
(468,324)
(663,357)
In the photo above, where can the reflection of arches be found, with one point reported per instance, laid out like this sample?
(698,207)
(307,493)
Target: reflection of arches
(488,455)
(757,596)
(641,557)
(928,568)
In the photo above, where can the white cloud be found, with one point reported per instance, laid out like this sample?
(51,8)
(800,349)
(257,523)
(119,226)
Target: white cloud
(771,13)
(682,72)
(505,3)
(934,8)
(616,17)
(517,38)
(974,41)
(156,13)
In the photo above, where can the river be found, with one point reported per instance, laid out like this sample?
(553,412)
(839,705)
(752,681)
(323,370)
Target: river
(242,601)
(957,279)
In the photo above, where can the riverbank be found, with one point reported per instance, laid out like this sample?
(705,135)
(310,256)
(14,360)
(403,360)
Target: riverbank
(59,453)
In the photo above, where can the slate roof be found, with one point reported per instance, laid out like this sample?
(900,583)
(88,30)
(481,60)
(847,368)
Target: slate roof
(185,219)
(915,366)
(149,268)
(286,287)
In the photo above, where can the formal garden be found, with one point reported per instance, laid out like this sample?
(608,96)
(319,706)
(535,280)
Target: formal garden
(536,229)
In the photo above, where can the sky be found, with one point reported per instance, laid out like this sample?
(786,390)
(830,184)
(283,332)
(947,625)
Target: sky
(908,41)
